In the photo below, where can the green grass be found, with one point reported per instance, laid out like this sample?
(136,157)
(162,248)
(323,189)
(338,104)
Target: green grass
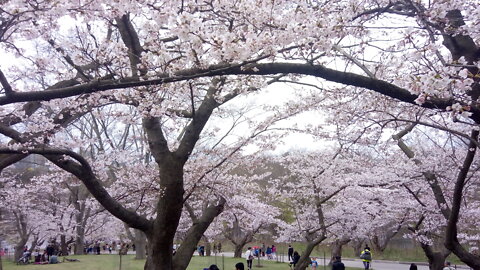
(112,262)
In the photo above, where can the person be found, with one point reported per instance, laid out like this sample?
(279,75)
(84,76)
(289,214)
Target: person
(53,259)
(50,249)
(296,258)
(314,263)
(36,255)
(239,266)
(263,250)
(448,266)
(337,264)
(274,252)
(366,257)
(249,257)
(290,253)
(219,246)
(413,266)
(269,253)
(213,267)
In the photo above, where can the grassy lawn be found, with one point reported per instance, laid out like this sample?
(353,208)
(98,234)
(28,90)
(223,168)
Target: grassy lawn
(112,262)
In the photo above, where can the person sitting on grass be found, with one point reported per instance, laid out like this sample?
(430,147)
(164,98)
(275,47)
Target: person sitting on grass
(53,259)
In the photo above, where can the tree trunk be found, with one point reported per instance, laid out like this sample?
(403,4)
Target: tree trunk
(451,235)
(208,248)
(377,245)
(169,209)
(34,243)
(79,242)
(139,239)
(304,260)
(185,251)
(357,247)
(155,260)
(436,260)
(140,243)
(239,237)
(19,248)
(81,218)
(63,245)
(337,247)
(238,250)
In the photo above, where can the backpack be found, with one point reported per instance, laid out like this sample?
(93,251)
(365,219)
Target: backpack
(366,255)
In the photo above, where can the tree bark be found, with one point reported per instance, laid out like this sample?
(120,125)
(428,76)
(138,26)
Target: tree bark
(169,209)
(79,241)
(79,195)
(239,237)
(23,234)
(337,247)
(63,245)
(357,247)
(436,259)
(140,243)
(208,249)
(185,251)
(238,250)
(451,242)
(19,248)
(304,260)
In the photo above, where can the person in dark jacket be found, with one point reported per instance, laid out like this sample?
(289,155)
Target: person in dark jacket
(290,253)
(295,258)
(239,266)
(413,266)
(337,264)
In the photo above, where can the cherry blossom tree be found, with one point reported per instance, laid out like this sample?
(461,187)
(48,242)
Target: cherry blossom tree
(442,188)
(179,63)
(331,195)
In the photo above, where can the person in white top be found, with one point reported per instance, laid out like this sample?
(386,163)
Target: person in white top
(249,257)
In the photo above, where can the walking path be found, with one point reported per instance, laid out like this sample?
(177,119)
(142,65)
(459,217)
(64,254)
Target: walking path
(376,264)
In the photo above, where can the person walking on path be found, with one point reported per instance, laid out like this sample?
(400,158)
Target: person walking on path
(337,264)
(366,257)
(249,257)
(290,253)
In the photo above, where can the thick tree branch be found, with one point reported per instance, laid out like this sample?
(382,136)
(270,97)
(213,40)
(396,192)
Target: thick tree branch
(156,140)
(347,78)
(82,170)
(184,253)
(199,120)
(130,39)
(428,175)
(451,241)
(6,86)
